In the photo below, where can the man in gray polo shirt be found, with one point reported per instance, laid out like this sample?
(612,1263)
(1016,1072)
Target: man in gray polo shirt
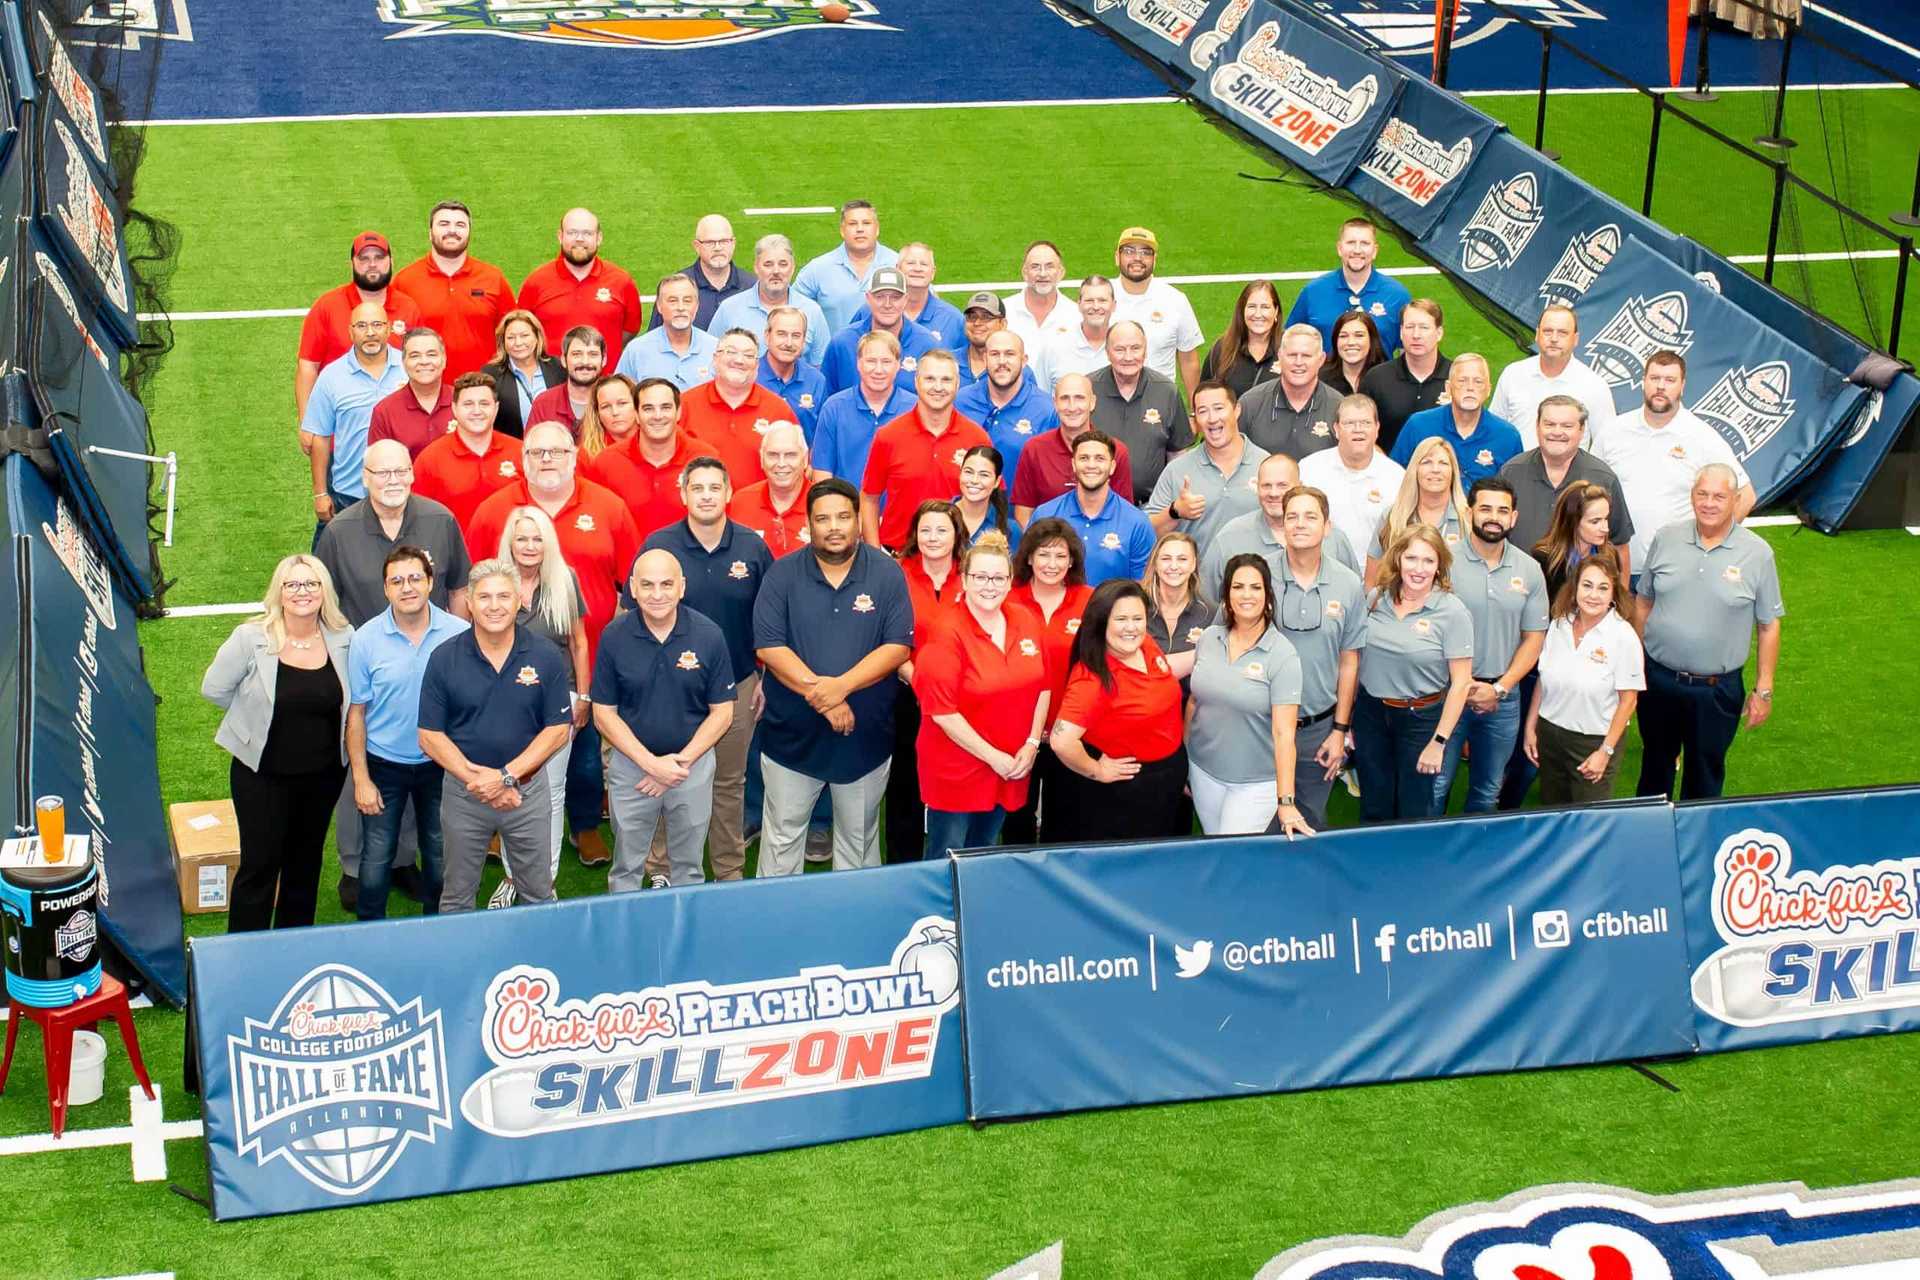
(1138,407)
(1506,596)
(1321,607)
(1540,475)
(1263,532)
(1707,585)
(1213,482)
(1295,413)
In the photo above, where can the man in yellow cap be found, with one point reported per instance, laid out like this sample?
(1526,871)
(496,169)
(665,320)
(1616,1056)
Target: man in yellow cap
(1173,334)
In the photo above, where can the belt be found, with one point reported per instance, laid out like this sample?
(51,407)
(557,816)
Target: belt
(1694,677)
(1413,704)
(1305,721)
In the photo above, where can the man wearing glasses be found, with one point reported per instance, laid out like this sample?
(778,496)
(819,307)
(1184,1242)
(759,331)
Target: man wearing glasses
(579,287)
(340,409)
(1173,333)
(713,272)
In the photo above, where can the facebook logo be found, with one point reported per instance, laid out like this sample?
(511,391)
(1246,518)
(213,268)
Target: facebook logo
(1383,942)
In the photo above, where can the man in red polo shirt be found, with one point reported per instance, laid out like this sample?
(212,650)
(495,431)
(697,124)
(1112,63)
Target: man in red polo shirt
(584,355)
(644,469)
(461,296)
(917,455)
(580,287)
(465,467)
(324,336)
(730,412)
(422,411)
(776,508)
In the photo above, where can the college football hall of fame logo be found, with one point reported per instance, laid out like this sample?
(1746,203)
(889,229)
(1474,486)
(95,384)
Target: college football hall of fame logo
(1748,406)
(1783,1231)
(1497,234)
(338,1081)
(650,26)
(1581,262)
(1642,326)
(618,1057)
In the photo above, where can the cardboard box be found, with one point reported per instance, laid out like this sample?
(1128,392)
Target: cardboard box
(206,853)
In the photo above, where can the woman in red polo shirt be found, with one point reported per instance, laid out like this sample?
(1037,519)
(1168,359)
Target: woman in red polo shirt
(1119,731)
(1050,582)
(984,691)
(933,585)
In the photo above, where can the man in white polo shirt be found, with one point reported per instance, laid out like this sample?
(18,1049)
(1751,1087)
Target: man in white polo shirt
(1040,312)
(1173,332)
(1082,348)
(1658,449)
(1359,480)
(1556,371)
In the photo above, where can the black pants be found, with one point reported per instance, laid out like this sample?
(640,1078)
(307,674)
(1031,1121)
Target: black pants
(1151,805)
(1028,824)
(1687,719)
(906,833)
(283,831)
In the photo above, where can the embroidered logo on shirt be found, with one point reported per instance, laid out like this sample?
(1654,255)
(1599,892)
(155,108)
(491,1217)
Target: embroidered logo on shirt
(1158,317)
(1073,626)
(583,522)
(1194,634)
(603,295)
(760,426)
(1374,497)
(1443,398)
(1333,608)
(1517,583)
(863,603)
(1484,458)
(959,456)
(1379,309)
(1451,537)
(1678,451)
(399,326)
(1422,626)
(687,661)
(506,468)
(909,363)
(1598,657)
(806,534)
(1151,417)
(806,399)
(1160,665)
(1024,427)
(1111,542)
(1321,429)
(1731,573)
(1255,670)
(527,676)
(1028,649)
(738,569)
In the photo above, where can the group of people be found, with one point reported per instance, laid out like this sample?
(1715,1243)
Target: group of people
(812,543)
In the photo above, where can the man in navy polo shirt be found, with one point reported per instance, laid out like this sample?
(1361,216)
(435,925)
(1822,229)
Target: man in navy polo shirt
(784,369)
(886,313)
(1008,403)
(662,696)
(833,623)
(722,565)
(1117,536)
(1353,286)
(494,704)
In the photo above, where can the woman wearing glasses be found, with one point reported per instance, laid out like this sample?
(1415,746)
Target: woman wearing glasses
(984,694)
(281,679)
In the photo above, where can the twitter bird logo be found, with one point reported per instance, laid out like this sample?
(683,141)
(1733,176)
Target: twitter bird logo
(1193,961)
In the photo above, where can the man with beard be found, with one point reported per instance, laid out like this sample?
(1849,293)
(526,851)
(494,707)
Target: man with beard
(1295,413)
(1161,311)
(1482,442)
(338,413)
(832,625)
(1046,464)
(1204,488)
(1040,313)
(1415,379)
(1007,403)
(885,312)
(1354,285)
(458,295)
(1554,371)
(752,308)
(712,271)
(1139,406)
(1082,348)
(676,349)
(579,287)
(784,370)
(982,318)
(422,411)
(326,334)
(916,457)
(1506,595)
(585,358)
(1118,539)
(836,279)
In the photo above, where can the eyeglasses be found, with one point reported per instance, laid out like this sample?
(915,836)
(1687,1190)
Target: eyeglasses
(550,455)
(989,579)
(1136,251)
(410,580)
(714,244)
(367,326)
(390,473)
(301,586)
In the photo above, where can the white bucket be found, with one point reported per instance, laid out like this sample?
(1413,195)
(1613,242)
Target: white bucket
(87,1071)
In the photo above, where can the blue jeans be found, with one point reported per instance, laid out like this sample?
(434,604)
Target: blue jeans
(947,830)
(1492,734)
(1520,770)
(381,834)
(1387,742)
(586,789)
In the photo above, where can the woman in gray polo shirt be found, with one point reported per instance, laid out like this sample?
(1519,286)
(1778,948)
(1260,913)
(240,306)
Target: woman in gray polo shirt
(1240,718)
(1414,675)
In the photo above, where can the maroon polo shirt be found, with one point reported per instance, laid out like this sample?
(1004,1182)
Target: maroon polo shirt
(1045,469)
(400,417)
(553,405)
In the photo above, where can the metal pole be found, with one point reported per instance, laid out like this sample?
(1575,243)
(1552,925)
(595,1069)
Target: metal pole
(173,475)
(1653,154)
(1773,224)
(1700,92)
(1777,138)
(1445,12)
(1911,218)
(1540,111)
(1899,296)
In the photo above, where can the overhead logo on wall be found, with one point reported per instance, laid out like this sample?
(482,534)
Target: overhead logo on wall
(647,26)
(124,24)
(1581,262)
(1509,213)
(1748,406)
(1641,327)
(1405,27)
(339,1080)
(1414,165)
(1309,110)
(1807,944)
(620,1057)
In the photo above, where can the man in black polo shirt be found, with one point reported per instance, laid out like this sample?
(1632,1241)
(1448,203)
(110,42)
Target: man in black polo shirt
(1139,407)
(722,564)
(1539,476)
(832,624)
(662,695)
(494,704)
(1415,379)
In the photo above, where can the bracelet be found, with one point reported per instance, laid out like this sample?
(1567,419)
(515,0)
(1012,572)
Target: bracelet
(319,496)
(1033,742)
(1342,728)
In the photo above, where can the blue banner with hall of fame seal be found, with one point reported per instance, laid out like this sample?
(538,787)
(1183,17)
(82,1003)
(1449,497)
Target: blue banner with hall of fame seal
(1528,234)
(1314,99)
(1802,916)
(1129,974)
(1422,155)
(1777,405)
(368,1062)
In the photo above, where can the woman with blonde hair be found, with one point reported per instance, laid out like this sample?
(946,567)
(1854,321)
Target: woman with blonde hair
(1178,616)
(550,605)
(612,418)
(521,369)
(281,680)
(1430,494)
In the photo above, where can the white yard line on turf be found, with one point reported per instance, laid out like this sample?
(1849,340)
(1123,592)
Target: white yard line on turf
(1717,88)
(578,112)
(1230,277)
(74,1139)
(1864,30)
(798,208)
(144,1275)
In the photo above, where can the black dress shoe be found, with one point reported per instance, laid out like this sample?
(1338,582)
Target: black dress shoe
(350,894)
(407,881)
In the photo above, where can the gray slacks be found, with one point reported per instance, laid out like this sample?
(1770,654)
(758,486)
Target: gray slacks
(468,825)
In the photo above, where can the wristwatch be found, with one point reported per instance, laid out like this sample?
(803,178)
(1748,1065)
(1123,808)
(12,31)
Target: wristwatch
(1604,747)
(1440,738)
(1500,691)
(1765,695)
(508,781)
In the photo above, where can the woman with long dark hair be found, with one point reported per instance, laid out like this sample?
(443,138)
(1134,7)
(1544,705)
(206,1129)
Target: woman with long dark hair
(1050,582)
(983,498)
(1244,354)
(1582,525)
(1356,349)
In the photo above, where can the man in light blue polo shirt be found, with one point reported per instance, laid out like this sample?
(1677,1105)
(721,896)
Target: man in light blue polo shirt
(784,369)
(1117,537)
(837,278)
(678,350)
(340,409)
(1482,443)
(391,774)
(1353,286)
(751,309)
(885,313)
(1008,403)
(850,419)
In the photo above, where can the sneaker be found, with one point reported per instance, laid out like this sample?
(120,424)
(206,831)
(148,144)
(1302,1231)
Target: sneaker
(350,894)
(659,882)
(819,846)
(504,896)
(1352,780)
(592,848)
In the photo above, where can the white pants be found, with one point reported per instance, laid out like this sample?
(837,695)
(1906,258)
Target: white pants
(788,803)
(555,770)
(1231,808)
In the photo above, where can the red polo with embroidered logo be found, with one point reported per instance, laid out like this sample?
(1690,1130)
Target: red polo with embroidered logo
(733,434)
(961,671)
(782,531)
(652,493)
(324,336)
(596,535)
(463,308)
(605,299)
(1139,718)
(908,465)
(452,474)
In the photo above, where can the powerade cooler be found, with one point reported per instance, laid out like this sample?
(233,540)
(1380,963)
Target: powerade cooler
(48,914)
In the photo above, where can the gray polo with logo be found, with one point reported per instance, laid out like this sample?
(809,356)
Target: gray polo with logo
(1321,621)
(1153,425)
(1269,420)
(1706,603)
(1227,495)
(1231,736)
(1251,532)
(1505,599)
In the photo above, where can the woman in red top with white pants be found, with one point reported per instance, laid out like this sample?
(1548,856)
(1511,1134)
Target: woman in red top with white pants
(1050,583)
(984,694)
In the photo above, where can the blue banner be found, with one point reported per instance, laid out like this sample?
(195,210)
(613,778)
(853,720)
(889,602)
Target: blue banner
(378,1061)
(1162,30)
(1827,497)
(1526,233)
(82,220)
(1421,157)
(1802,916)
(1196,969)
(1778,406)
(67,91)
(1315,100)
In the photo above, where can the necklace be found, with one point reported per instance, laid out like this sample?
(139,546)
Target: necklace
(300,644)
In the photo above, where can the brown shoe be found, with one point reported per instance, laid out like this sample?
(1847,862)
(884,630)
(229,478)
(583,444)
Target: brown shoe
(493,848)
(592,848)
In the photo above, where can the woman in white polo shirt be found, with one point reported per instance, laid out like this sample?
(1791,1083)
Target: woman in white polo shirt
(1591,671)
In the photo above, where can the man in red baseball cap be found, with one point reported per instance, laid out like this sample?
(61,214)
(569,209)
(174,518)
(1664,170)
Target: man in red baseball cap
(324,337)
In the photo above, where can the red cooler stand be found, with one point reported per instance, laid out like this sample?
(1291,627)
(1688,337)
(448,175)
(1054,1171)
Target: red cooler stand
(56,1040)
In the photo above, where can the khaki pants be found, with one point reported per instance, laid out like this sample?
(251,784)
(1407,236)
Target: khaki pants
(726,842)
